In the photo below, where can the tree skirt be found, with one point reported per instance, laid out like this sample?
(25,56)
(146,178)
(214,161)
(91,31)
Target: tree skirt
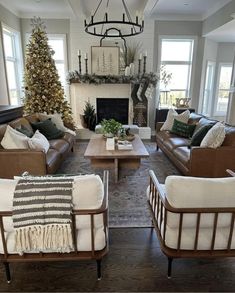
(127,198)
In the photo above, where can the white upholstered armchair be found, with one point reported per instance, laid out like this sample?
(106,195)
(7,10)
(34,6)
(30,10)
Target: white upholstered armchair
(193,217)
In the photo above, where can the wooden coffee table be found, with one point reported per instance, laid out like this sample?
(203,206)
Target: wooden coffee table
(101,158)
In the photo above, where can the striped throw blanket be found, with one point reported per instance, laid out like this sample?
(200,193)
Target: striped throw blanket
(42,214)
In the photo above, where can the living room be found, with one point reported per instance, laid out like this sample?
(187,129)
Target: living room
(182,59)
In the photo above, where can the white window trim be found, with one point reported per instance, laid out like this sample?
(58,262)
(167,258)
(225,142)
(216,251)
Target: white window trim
(220,113)
(18,59)
(189,91)
(209,107)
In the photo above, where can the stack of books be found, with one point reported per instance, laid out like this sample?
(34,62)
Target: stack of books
(124,145)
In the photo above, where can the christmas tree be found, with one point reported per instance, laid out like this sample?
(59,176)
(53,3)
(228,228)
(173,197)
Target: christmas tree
(43,89)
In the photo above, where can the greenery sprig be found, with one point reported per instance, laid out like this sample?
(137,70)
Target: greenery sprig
(76,77)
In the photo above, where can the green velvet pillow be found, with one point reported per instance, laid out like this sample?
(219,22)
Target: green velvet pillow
(48,129)
(183,129)
(25,130)
(200,134)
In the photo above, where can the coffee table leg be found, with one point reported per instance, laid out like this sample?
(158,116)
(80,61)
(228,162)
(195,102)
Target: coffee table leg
(116,170)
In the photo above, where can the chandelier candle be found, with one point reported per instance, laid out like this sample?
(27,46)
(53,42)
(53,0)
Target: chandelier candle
(79,61)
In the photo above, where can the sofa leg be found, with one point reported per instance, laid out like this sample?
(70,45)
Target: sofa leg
(8,273)
(72,150)
(98,262)
(170,259)
(157,148)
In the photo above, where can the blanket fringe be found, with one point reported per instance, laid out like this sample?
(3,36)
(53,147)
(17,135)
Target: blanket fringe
(44,238)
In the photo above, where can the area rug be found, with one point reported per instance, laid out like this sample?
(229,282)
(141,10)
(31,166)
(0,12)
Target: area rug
(127,198)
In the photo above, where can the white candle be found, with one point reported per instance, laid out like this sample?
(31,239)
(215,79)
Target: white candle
(85,56)
(145,54)
(140,56)
(79,52)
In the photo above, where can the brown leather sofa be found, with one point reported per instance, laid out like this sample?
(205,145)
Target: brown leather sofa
(198,161)
(16,161)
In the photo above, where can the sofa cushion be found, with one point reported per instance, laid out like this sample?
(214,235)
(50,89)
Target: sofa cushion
(194,118)
(191,192)
(205,121)
(171,115)
(19,122)
(183,129)
(200,134)
(13,139)
(48,129)
(182,153)
(214,137)
(230,136)
(60,145)
(25,130)
(39,142)
(175,142)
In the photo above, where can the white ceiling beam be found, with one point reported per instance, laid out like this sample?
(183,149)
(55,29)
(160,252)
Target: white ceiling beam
(150,6)
(76,8)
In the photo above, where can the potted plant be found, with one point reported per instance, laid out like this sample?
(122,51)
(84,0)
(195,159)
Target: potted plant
(89,116)
(111,127)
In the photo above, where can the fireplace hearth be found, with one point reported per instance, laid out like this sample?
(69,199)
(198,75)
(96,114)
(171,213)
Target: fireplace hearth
(112,108)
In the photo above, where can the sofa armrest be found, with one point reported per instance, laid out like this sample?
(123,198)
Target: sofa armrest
(15,162)
(208,162)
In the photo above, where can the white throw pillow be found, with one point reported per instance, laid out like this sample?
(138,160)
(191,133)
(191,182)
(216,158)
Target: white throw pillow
(57,120)
(14,139)
(39,142)
(214,137)
(171,115)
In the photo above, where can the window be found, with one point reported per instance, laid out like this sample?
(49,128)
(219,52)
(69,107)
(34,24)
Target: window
(208,89)
(223,86)
(58,44)
(14,68)
(176,58)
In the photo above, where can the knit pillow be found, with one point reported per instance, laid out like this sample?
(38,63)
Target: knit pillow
(39,142)
(48,129)
(183,129)
(199,134)
(214,137)
(171,115)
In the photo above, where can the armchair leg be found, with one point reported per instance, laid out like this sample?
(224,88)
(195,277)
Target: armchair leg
(170,259)
(8,273)
(98,262)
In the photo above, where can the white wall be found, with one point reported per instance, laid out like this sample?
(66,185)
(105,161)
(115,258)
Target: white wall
(192,29)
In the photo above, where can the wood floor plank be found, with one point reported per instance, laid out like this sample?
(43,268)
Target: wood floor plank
(134,264)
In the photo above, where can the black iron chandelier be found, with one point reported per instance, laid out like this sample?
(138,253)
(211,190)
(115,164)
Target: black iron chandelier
(112,28)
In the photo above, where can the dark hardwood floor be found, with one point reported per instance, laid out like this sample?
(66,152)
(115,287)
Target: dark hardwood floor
(134,264)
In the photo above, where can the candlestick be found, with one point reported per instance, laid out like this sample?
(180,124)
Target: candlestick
(139,65)
(144,67)
(80,64)
(86,65)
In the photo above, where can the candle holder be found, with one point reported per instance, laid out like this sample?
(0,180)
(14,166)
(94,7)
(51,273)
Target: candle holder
(144,66)
(139,66)
(80,64)
(86,65)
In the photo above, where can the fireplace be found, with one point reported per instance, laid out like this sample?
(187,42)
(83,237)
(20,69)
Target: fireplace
(116,108)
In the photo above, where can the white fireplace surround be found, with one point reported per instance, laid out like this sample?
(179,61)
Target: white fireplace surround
(81,93)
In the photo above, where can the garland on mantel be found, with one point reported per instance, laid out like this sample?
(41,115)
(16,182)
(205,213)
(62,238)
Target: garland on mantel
(75,77)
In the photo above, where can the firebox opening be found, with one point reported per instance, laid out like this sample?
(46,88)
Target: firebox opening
(111,108)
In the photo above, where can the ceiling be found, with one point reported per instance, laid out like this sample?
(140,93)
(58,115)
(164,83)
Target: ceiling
(159,9)
(197,10)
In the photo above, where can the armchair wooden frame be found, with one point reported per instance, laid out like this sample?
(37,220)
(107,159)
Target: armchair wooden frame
(7,258)
(160,207)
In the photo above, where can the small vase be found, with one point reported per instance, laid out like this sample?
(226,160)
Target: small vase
(109,135)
